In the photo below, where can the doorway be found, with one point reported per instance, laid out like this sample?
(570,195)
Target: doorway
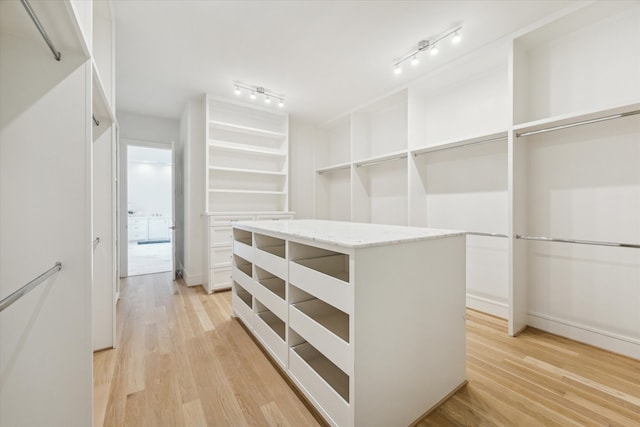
(149,210)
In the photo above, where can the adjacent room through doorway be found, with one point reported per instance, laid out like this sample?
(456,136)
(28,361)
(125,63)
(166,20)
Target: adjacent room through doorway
(149,208)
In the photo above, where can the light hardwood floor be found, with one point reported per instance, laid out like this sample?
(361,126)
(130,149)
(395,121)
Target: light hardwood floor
(182,361)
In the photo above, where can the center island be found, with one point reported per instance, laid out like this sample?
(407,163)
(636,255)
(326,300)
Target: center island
(367,320)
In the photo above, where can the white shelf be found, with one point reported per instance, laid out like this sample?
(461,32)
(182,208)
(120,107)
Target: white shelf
(577,117)
(251,171)
(221,145)
(246,130)
(463,142)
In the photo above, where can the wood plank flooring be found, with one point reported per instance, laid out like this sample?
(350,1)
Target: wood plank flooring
(182,361)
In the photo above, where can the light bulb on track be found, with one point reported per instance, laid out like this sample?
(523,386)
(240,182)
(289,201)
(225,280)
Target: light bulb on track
(397,69)
(434,50)
(456,38)
(415,60)
(237,90)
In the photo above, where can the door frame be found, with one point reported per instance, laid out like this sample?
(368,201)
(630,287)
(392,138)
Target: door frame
(123,215)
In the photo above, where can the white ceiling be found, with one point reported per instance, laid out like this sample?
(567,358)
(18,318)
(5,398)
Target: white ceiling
(327,57)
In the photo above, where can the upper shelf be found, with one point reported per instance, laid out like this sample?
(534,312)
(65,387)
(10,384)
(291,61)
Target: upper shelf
(221,145)
(567,120)
(57,18)
(245,129)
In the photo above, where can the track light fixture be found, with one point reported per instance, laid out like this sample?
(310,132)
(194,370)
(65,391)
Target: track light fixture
(431,46)
(253,90)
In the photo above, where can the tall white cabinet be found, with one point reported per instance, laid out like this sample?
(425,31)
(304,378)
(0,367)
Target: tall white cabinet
(246,177)
(47,143)
(460,149)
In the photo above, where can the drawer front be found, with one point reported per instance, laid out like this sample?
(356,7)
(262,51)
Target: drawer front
(326,400)
(220,236)
(243,250)
(137,222)
(244,280)
(220,257)
(271,263)
(220,278)
(274,344)
(324,340)
(137,234)
(226,221)
(244,312)
(270,300)
(327,288)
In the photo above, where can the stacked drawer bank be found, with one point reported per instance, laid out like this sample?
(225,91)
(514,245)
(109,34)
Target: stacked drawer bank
(367,320)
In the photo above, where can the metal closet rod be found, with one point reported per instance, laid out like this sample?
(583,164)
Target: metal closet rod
(580,123)
(377,162)
(580,242)
(15,296)
(320,172)
(484,141)
(477,233)
(56,54)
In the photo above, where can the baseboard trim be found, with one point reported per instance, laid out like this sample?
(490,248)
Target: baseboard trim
(616,343)
(487,305)
(191,279)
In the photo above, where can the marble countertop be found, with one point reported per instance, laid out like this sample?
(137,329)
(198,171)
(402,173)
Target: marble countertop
(346,234)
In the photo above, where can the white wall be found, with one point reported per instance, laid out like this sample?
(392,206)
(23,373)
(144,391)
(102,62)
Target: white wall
(149,186)
(138,129)
(192,134)
(302,140)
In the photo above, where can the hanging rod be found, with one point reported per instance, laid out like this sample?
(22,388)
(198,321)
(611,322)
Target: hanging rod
(56,54)
(95,120)
(580,242)
(580,123)
(337,168)
(377,162)
(477,233)
(15,296)
(484,141)
(95,242)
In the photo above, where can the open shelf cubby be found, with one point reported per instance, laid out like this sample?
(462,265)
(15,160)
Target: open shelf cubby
(330,373)
(324,261)
(269,244)
(274,322)
(326,315)
(243,265)
(271,282)
(243,294)
(242,236)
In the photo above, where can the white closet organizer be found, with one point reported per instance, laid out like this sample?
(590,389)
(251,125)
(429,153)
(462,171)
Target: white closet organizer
(466,168)
(316,294)
(576,150)
(246,166)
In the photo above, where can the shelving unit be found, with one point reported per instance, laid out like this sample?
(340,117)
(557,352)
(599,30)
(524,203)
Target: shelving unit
(331,326)
(247,175)
(564,127)
(494,144)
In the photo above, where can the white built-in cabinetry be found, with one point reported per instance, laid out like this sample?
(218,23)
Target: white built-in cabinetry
(246,170)
(453,150)
(367,320)
(48,142)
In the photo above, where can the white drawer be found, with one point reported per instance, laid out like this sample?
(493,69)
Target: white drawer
(243,250)
(220,278)
(327,342)
(222,221)
(244,280)
(138,234)
(220,236)
(241,307)
(137,222)
(270,300)
(220,257)
(330,289)
(328,400)
(272,263)
(274,343)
